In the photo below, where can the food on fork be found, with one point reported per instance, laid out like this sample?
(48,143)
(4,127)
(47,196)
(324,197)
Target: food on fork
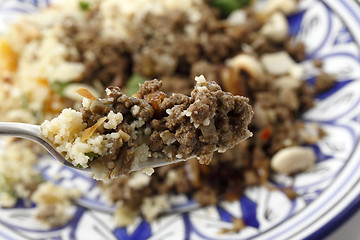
(118,134)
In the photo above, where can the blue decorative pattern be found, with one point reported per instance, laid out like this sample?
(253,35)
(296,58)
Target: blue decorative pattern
(248,208)
(344,37)
(142,232)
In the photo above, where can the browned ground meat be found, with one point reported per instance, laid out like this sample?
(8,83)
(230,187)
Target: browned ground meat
(296,49)
(174,127)
(162,48)
(318,63)
(324,82)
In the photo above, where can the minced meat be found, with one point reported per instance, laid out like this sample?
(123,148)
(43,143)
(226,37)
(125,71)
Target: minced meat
(153,126)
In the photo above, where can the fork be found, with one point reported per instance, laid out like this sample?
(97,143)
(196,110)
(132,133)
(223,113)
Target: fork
(33,133)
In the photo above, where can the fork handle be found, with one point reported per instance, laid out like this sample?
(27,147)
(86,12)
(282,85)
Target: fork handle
(33,133)
(21,130)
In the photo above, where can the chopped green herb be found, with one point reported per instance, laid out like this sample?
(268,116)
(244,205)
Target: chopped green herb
(79,166)
(25,106)
(36,115)
(132,85)
(84,5)
(24,101)
(227,6)
(92,155)
(59,87)
(6,186)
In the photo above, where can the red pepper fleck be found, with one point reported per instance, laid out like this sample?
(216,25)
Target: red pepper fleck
(266,133)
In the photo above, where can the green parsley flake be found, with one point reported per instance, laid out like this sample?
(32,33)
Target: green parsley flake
(132,85)
(92,155)
(59,87)
(228,6)
(84,5)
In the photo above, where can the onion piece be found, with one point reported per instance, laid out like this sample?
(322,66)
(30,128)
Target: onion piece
(90,131)
(86,93)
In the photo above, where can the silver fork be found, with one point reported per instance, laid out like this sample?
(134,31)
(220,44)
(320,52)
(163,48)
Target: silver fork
(33,133)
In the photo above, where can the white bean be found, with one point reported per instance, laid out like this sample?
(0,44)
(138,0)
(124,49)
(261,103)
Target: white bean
(293,159)
(276,28)
(248,63)
(237,17)
(278,63)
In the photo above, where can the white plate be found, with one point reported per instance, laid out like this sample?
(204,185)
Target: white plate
(327,195)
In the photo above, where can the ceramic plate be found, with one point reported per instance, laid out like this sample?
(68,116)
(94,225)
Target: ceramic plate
(328,194)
